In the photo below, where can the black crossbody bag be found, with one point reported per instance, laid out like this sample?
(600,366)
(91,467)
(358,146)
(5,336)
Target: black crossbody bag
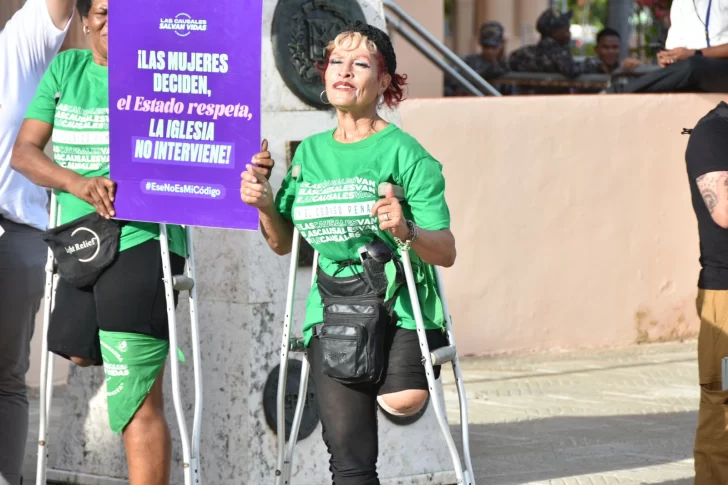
(356,318)
(84,248)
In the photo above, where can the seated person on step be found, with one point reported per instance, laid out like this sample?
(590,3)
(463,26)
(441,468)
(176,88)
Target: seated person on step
(696,55)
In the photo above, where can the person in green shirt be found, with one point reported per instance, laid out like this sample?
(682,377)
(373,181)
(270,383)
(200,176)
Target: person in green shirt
(334,203)
(120,321)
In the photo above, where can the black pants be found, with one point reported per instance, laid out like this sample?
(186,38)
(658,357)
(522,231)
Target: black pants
(349,413)
(128,297)
(694,74)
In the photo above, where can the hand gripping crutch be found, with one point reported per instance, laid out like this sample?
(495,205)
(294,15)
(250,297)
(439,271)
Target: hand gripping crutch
(46,365)
(438,357)
(190,451)
(295,344)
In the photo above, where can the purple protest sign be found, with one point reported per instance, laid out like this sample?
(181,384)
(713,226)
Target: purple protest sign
(184,109)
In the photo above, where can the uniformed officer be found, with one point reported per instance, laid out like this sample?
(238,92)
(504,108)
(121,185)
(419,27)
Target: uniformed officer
(552,53)
(490,63)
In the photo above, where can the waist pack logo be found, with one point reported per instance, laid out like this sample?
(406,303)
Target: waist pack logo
(84,247)
(88,248)
(336,357)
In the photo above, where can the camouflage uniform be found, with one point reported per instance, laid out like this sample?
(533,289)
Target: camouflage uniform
(548,55)
(486,69)
(491,35)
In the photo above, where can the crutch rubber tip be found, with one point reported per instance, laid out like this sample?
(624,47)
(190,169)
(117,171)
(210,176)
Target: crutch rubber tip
(182,283)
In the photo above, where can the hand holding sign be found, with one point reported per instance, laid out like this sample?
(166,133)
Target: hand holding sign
(255,190)
(97,191)
(262,162)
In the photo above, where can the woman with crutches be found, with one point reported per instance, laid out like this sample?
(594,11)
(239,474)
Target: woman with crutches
(359,326)
(112,309)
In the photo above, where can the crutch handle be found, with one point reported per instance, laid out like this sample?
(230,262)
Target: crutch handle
(398,190)
(443,355)
(182,283)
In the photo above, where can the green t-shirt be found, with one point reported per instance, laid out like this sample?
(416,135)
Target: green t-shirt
(80,120)
(330,202)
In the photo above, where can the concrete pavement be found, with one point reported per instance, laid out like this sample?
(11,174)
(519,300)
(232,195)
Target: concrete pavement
(623,416)
(604,417)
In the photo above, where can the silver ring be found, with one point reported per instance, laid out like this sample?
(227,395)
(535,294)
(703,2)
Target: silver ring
(386,214)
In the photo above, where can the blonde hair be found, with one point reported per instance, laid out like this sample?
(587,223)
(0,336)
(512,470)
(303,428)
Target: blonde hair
(350,41)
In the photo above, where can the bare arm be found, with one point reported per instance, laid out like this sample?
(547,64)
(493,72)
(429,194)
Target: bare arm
(277,231)
(28,158)
(255,190)
(713,188)
(435,247)
(60,12)
(681,53)
(716,52)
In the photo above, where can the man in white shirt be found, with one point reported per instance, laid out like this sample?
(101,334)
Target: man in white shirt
(696,55)
(28,43)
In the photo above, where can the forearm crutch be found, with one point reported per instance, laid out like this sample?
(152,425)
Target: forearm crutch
(190,450)
(295,344)
(46,363)
(440,356)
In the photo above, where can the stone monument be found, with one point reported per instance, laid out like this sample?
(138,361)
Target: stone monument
(241,287)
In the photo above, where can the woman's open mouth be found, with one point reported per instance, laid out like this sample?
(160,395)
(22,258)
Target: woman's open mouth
(344,86)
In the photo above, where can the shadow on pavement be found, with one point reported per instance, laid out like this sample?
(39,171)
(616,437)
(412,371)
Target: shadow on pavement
(559,447)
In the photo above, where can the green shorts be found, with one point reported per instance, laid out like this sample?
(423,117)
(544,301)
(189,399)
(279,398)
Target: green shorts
(132,363)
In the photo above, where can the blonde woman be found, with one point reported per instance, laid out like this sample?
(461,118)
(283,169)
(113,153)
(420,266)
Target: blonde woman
(359,326)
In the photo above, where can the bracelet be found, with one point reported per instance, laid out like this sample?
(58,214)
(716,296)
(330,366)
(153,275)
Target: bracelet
(413,232)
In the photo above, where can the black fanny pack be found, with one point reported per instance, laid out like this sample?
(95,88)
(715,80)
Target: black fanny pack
(356,318)
(84,248)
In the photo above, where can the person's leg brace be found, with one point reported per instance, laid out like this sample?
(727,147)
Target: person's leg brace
(711,437)
(22,261)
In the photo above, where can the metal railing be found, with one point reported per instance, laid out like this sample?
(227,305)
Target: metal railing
(478,86)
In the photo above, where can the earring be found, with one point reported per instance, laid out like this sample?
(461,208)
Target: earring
(381,101)
(321,97)
(85,30)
